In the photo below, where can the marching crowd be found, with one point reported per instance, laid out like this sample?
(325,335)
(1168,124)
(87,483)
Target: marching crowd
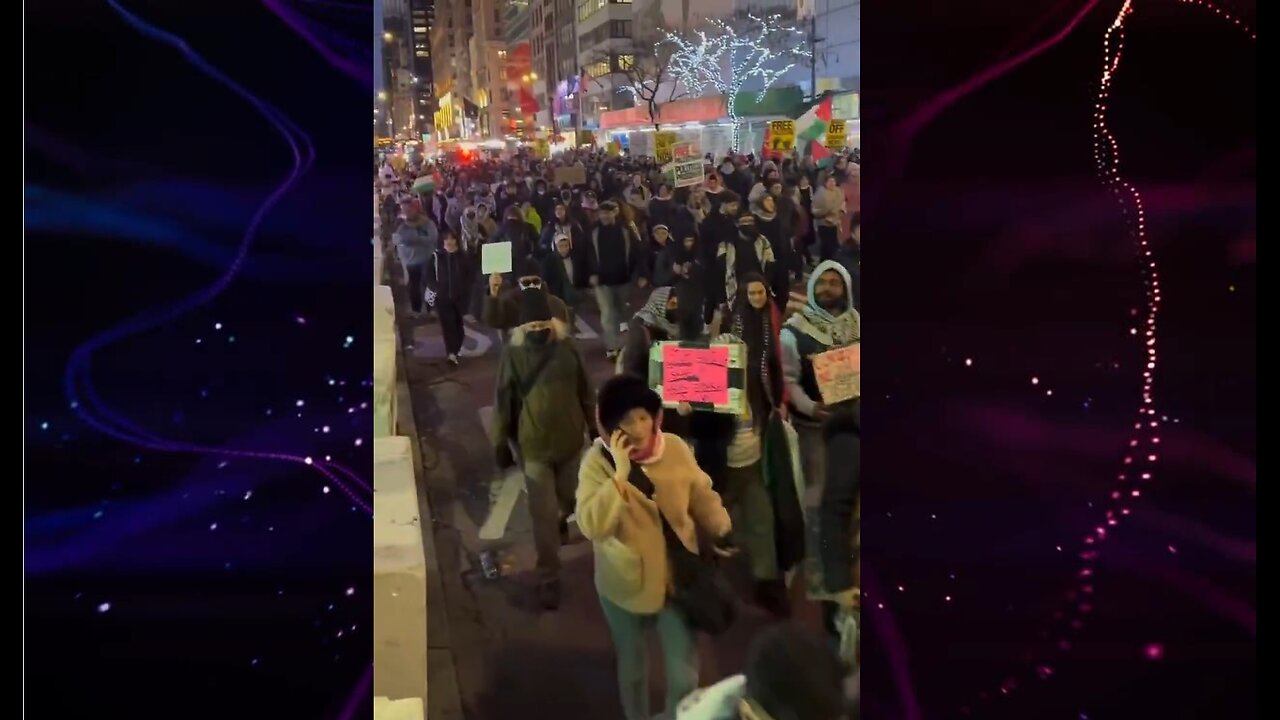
(764,255)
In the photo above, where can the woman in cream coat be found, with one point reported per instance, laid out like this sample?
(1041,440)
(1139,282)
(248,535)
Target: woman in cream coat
(625,488)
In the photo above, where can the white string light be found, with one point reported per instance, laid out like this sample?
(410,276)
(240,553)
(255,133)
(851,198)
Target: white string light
(734,54)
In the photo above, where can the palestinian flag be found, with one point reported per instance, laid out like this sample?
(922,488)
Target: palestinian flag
(811,128)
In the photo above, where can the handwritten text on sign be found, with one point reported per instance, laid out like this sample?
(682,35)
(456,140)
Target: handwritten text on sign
(695,375)
(839,373)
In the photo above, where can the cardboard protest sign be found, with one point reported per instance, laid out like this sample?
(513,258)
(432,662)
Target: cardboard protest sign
(575,175)
(782,136)
(708,376)
(836,135)
(839,373)
(495,258)
(686,173)
(663,143)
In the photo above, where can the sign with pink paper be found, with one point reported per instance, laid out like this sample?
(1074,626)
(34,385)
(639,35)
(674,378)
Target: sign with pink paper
(695,375)
(839,373)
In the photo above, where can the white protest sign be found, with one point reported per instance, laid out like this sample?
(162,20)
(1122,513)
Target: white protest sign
(495,258)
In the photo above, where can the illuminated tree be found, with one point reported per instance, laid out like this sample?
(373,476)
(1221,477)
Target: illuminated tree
(735,53)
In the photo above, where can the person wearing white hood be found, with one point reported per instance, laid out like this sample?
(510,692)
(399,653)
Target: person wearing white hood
(828,321)
(772,688)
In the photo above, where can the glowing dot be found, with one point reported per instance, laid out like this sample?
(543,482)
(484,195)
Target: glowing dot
(325,490)
(1154,651)
(947,598)
(248,494)
(307,460)
(104,607)
(213,526)
(1049,393)
(300,403)
(98,515)
(1035,381)
(1173,550)
(901,589)
(351,591)
(44,426)
(300,320)
(359,442)
(199,340)
(350,340)
(968,362)
(324,429)
(217,326)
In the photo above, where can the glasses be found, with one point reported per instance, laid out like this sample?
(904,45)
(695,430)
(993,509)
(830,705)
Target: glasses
(531,283)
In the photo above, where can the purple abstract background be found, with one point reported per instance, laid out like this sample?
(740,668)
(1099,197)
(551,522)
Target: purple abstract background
(1009,572)
(198,429)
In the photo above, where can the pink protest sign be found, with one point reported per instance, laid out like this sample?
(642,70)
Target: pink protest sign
(695,375)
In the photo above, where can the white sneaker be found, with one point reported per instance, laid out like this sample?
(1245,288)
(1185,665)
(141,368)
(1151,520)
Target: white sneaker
(453,360)
(623,328)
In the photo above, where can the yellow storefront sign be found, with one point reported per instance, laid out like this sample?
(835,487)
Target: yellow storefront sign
(782,136)
(663,142)
(541,148)
(836,135)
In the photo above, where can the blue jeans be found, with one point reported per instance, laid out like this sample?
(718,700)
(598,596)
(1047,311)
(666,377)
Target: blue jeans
(613,304)
(679,657)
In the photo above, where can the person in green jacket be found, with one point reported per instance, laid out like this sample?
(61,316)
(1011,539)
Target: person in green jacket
(543,402)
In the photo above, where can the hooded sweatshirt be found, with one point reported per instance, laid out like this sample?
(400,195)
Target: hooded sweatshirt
(416,240)
(812,331)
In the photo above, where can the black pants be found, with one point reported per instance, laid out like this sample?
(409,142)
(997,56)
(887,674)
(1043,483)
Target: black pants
(451,311)
(828,241)
(416,290)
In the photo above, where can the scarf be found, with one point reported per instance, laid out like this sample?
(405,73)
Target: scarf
(830,330)
(758,329)
(657,443)
(654,312)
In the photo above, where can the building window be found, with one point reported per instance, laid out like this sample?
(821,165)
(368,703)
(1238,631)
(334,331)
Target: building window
(624,62)
(619,28)
(420,30)
(422,54)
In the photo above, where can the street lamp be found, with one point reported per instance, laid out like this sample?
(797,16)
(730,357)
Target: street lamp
(388,36)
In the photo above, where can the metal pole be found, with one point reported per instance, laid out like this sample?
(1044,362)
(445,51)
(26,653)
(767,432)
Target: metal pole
(813,53)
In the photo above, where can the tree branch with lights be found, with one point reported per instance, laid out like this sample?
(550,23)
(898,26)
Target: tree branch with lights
(730,54)
(647,78)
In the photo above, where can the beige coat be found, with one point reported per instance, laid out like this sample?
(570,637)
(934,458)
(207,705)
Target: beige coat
(632,569)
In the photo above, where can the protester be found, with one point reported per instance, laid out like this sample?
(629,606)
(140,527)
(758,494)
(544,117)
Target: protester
(502,311)
(790,675)
(616,261)
(656,321)
(415,240)
(828,211)
(543,402)
(662,209)
(629,486)
(837,517)
(565,274)
(448,277)
(744,252)
(828,321)
(850,257)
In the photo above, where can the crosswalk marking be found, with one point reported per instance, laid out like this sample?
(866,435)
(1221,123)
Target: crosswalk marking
(584,331)
(428,343)
(503,494)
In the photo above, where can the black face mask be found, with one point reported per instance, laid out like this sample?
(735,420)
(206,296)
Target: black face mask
(539,337)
